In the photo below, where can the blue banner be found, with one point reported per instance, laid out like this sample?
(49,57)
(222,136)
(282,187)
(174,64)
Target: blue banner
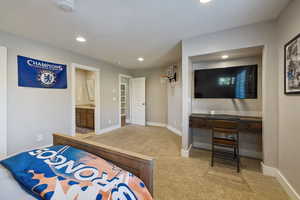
(41,74)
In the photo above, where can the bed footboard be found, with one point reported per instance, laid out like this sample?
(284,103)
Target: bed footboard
(140,165)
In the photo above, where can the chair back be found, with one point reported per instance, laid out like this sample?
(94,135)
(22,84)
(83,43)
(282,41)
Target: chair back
(225,126)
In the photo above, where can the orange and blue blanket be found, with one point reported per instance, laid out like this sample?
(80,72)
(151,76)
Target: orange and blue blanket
(67,173)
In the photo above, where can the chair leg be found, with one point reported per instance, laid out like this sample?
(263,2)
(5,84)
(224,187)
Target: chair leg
(212,149)
(238,159)
(234,149)
(212,155)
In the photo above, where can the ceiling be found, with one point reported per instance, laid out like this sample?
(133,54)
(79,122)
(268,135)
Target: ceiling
(232,54)
(120,31)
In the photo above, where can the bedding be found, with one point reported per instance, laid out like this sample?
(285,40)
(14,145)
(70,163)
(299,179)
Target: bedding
(10,189)
(67,173)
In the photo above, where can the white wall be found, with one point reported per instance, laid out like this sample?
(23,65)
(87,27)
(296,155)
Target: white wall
(289,105)
(175,102)
(156,94)
(163,102)
(262,34)
(33,112)
(248,107)
(3,101)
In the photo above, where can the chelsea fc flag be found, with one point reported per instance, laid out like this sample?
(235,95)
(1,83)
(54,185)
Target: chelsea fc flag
(41,74)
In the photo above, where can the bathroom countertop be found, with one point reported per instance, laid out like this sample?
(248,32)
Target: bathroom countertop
(85,107)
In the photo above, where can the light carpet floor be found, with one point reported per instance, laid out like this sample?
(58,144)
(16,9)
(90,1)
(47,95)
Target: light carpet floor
(192,178)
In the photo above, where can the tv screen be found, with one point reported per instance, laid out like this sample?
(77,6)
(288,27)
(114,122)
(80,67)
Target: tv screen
(230,82)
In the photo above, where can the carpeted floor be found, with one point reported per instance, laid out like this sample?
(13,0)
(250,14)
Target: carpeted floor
(192,178)
(84,130)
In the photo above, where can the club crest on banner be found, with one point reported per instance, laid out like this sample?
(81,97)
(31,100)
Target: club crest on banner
(47,78)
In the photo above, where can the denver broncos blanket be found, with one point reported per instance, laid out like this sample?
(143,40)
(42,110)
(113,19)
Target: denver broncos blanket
(66,173)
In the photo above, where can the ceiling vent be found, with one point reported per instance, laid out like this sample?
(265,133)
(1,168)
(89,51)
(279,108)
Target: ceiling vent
(66,5)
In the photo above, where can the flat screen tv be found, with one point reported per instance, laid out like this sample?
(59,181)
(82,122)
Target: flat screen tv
(230,82)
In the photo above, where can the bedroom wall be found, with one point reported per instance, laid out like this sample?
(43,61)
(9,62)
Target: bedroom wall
(163,103)
(289,108)
(3,100)
(174,103)
(261,34)
(156,94)
(230,106)
(34,114)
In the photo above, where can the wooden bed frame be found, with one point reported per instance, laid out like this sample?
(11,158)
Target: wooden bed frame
(140,165)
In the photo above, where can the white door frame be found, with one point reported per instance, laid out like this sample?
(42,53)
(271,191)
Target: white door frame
(129,87)
(97,122)
(3,102)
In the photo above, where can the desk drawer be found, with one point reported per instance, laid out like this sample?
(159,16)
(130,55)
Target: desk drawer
(198,123)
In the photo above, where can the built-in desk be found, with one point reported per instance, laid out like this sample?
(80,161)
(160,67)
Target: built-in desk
(246,124)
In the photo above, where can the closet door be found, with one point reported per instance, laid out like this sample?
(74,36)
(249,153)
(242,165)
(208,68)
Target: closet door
(138,101)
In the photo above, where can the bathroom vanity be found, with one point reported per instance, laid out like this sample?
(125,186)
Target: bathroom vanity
(85,116)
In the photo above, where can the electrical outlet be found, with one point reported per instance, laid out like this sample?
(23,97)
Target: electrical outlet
(39,137)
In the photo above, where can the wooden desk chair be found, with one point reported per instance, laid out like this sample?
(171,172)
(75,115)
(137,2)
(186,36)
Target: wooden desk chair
(228,140)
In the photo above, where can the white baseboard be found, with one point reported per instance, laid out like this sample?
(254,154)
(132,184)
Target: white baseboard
(186,152)
(272,171)
(155,124)
(174,130)
(243,152)
(268,171)
(105,130)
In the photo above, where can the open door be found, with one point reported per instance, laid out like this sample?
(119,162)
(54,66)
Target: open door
(138,110)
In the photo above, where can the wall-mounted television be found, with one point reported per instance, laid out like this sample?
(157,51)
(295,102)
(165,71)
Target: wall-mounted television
(230,82)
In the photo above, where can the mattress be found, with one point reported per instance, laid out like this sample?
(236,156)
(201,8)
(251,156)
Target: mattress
(10,189)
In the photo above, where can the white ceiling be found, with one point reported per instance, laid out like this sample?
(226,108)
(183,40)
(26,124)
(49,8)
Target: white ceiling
(232,54)
(123,30)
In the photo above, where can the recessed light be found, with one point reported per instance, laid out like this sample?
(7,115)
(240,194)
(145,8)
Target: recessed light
(205,1)
(225,56)
(80,39)
(66,5)
(140,59)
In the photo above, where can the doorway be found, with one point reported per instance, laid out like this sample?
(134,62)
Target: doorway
(3,102)
(124,100)
(132,101)
(85,100)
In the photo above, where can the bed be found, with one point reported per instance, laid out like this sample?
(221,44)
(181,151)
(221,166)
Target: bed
(139,165)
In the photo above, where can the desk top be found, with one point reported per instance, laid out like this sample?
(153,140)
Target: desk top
(227,117)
